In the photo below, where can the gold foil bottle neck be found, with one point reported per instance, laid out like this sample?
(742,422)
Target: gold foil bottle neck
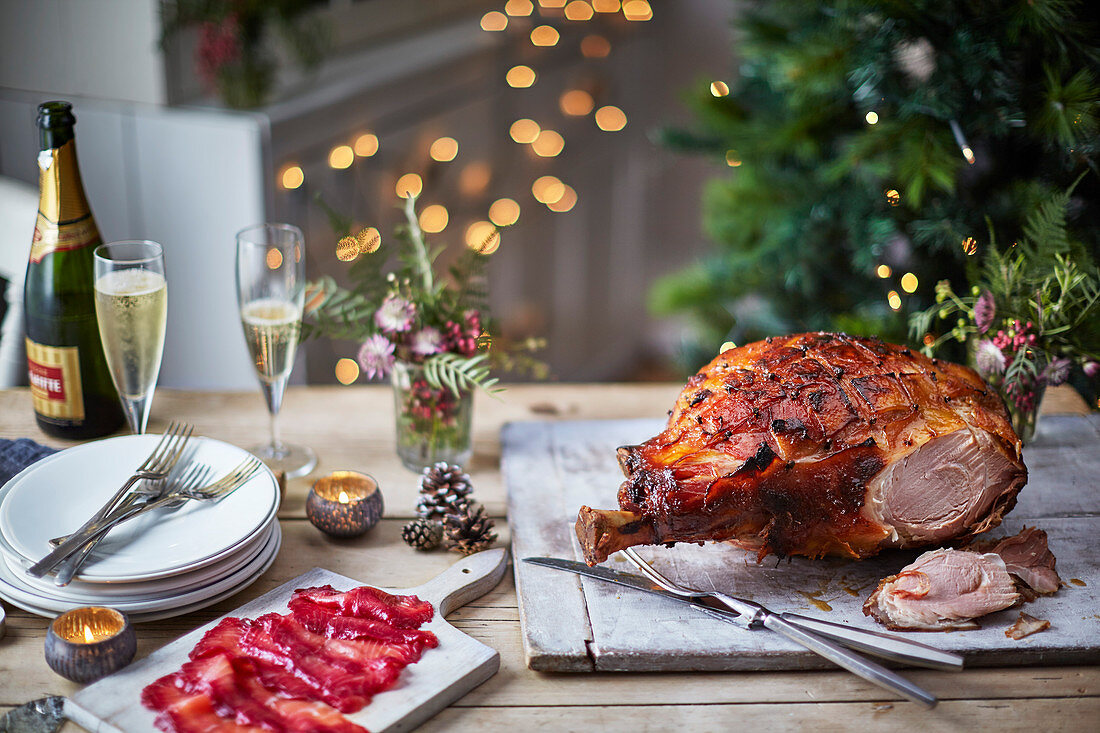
(61,196)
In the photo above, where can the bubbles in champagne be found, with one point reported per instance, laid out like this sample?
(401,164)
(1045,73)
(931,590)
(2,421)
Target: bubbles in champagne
(132,309)
(271,330)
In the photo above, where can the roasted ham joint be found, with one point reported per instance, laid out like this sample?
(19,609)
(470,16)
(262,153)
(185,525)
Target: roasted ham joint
(817,444)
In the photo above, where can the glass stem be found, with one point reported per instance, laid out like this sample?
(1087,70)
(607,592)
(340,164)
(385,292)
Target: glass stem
(273,395)
(137,412)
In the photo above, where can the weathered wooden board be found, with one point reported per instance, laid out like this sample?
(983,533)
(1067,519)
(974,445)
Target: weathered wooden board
(442,675)
(581,624)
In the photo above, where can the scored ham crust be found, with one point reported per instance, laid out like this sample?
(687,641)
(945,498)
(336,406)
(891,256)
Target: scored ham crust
(817,444)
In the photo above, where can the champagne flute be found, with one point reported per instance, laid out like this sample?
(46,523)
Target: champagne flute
(131,307)
(271,293)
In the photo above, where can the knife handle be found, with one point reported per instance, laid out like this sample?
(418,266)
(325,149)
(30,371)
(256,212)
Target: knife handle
(894,648)
(854,663)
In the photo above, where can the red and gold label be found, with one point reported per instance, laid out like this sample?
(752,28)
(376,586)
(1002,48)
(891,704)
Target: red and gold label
(54,373)
(49,237)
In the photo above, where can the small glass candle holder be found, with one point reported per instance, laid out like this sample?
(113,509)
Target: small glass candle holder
(344,503)
(88,643)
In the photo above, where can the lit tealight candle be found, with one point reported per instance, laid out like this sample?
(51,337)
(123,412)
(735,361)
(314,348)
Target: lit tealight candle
(344,504)
(87,643)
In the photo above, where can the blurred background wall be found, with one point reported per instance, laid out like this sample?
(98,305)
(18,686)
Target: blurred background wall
(163,158)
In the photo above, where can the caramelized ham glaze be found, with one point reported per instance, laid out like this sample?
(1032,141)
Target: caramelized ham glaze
(817,444)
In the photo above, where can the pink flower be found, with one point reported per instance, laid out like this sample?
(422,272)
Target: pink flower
(376,356)
(1092,368)
(1056,372)
(985,310)
(427,341)
(990,360)
(218,46)
(395,315)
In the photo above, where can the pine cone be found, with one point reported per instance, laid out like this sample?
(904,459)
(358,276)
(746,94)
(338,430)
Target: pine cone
(422,534)
(444,490)
(469,531)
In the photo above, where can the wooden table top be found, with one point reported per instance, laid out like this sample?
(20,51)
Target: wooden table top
(352,428)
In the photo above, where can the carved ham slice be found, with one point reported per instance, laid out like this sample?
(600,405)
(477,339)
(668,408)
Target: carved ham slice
(941,590)
(1027,556)
(817,444)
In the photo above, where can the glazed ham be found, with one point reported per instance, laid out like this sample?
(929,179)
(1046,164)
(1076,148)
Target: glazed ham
(817,444)
(295,672)
(942,590)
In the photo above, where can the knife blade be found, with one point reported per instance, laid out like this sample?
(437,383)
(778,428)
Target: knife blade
(883,645)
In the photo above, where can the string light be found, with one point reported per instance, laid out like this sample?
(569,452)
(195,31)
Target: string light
(366,145)
(482,237)
(369,240)
(524,130)
(576,103)
(475,178)
(274,259)
(970,246)
(444,149)
(719,88)
(610,118)
(347,249)
(347,371)
(732,160)
(494,20)
(292,177)
(566,202)
(960,140)
(340,157)
(544,35)
(872,118)
(909,282)
(578,10)
(893,197)
(548,144)
(434,218)
(409,184)
(504,212)
(883,271)
(547,189)
(637,10)
(519,8)
(520,76)
(552,3)
(606,6)
(894,300)
(595,47)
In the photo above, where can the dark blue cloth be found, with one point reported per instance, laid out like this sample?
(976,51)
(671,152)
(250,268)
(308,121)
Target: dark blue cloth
(15,455)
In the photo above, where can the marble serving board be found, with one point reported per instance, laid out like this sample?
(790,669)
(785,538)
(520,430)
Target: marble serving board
(581,624)
(442,676)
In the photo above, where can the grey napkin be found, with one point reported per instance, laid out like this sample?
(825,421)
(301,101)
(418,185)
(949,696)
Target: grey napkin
(44,715)
(15,455)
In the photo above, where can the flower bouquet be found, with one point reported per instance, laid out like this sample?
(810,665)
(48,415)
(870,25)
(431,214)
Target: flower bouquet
(1030,316)
(429,334)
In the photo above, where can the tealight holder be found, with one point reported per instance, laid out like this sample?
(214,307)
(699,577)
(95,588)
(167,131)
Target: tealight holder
(87,643)
(344,503)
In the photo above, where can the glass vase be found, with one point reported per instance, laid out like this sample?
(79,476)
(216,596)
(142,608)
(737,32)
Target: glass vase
(1024,411)
(432,425)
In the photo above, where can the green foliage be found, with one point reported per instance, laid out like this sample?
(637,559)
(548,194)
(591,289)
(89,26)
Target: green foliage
(460,374)
(802,223)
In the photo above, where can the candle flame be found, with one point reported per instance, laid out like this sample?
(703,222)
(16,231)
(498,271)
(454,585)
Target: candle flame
(343,498)
(88,634)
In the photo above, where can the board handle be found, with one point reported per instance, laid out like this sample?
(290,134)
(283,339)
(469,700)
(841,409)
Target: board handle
(467,580)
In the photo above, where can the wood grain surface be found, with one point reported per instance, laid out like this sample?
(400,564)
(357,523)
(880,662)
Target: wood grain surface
(350,427)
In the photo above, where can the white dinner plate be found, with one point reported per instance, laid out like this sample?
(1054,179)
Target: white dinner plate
(57,494)
(14,590)
(145,590)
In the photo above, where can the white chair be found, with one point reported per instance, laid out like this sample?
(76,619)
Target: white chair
(18,208)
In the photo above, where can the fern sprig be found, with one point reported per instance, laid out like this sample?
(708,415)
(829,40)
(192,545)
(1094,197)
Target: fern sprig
(461,373)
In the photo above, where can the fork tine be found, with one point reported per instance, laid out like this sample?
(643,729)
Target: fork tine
(153,456)
(650,572)
(173,454)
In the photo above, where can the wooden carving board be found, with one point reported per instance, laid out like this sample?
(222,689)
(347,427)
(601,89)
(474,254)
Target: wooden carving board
(442,675)
(582,624)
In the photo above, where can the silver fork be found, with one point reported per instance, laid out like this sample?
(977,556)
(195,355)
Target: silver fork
(156,467)
(191,478)
(218,490)
(751,615)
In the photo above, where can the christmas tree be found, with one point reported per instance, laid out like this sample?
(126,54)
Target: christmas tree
(873,147)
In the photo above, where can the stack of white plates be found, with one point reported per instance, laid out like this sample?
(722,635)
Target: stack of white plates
(164,563)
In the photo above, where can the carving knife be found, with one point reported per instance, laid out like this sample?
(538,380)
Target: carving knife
(883,645)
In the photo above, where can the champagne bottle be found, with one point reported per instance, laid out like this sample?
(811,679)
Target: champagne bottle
(70,386)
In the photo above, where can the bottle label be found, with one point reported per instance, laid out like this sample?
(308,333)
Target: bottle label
(49,237)
(55,381)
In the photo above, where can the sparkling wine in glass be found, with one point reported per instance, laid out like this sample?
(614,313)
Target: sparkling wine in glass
(271,292)
(131,306)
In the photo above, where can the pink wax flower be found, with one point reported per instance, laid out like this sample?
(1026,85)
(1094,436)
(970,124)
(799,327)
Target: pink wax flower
(395,315)
(989,359)
(985,310)
(376,356)
(1056,372)
(427,341)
